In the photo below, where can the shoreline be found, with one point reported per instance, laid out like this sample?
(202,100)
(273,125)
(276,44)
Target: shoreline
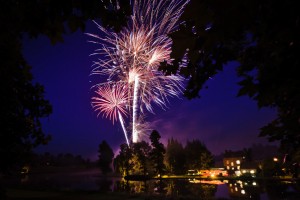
(197,177)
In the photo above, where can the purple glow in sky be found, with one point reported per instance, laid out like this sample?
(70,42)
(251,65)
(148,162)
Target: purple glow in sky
(219,119)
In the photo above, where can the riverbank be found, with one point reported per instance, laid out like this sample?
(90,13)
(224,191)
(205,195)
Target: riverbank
(198,177)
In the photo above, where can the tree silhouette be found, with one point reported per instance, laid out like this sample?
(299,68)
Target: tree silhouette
(22,101)
(263,36)
(106,156)
(157,153)
(197,155)
(175,157)
(207,160)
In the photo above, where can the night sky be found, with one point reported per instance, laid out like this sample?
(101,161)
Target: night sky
(219,118)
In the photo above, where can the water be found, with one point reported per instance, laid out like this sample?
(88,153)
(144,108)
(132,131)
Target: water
(173,188)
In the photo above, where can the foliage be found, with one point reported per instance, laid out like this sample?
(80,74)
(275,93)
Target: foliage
(271,168)
(123,161)
(175,157)
(105,156)
(197,155)
(131,159)
(157,153)
(22,106)
(263,36)
(22,101)
(142,159)
(207,160)
(51,18)
(141,151)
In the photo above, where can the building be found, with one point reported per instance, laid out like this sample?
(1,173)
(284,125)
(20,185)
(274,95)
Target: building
(233,165)
(238,166)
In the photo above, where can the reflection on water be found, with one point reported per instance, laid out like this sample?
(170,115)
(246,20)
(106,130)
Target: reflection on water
(228,189)
(174,188)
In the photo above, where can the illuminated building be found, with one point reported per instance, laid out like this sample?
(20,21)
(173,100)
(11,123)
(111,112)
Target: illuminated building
(233,165)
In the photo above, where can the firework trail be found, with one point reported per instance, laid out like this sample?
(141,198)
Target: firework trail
(112,102)
(123,127)
(132,57)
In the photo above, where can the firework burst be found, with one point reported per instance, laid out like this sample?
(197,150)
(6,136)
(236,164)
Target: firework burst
(111,100)
(132,57)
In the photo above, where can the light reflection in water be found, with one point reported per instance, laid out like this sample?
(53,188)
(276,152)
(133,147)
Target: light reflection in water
(177,188)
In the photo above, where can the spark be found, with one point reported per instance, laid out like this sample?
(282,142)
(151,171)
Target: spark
(132,57)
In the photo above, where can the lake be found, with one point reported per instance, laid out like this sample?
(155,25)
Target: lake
(91,180)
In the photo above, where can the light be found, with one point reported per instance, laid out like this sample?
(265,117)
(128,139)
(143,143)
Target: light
(254,183)
(238,162)
(243,192)
(238,173)
(275,159)
(252,171)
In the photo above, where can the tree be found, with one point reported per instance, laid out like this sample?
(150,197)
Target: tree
(123,161)
(207,160)
(22,105)
(197,155)
(22,101)
(263,36)
(141,151)
(157,153)
(175,157)
(105,156)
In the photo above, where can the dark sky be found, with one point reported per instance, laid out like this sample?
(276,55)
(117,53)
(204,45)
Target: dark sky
(219,119)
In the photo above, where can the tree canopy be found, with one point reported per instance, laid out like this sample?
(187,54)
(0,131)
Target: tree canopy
(175,157)
(123,161)
(156,160)
(22,100)
(263,36)
(157,153)
(105,156)
(197,155)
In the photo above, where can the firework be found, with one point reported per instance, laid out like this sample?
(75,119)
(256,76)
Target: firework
(111,101)
(132,58)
